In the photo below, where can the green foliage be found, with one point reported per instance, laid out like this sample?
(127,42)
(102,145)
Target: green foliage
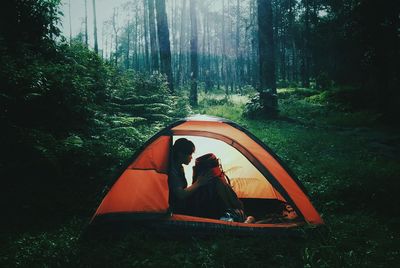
(286,93)
(325,107)
(68,120)
(30,24)
(259,107)
(350,173)
(207,100)
(254,108)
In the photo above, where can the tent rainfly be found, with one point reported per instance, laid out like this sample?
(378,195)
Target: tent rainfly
(257,175)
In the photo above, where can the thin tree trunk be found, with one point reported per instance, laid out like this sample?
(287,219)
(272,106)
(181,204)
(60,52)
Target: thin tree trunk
(194,66)
(175,54)
(141,48)
(164,42)
(96,46)
(104,37)
(111,44)
(137,40)
(181,44)
(291,62)
(146,39)
(306,53)
(266,57)
(70,22)
(86,26)
(223,59)
(153,38)
(202,68)
(237,47)
(128,42)
(254,46)
(115,28)
(208,72)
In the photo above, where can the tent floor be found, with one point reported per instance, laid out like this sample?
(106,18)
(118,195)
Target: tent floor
(259,208)
(176,223)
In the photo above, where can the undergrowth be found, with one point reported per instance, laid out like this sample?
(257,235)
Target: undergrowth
(348,163)
(349,167)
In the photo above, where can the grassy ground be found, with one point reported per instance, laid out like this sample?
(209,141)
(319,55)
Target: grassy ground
(347,160)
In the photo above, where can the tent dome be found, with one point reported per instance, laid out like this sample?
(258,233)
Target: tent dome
(259,178)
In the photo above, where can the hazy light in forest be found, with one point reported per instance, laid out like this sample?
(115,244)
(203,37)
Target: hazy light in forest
(104,10)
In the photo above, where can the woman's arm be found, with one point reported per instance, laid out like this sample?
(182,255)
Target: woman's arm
(188,191)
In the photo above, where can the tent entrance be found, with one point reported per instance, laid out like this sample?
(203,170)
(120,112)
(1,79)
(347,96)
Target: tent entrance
(246,179)
(259,197)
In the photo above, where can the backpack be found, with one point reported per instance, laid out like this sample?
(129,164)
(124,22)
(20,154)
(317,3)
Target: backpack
(217,198)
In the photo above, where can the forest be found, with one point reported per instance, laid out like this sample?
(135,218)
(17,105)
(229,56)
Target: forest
(315,80)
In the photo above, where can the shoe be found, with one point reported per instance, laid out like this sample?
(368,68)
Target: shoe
(250,219)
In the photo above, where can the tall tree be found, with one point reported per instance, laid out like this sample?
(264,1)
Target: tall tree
(70,22)
(267,89)
(146,38)
(254,62)
(116,30)
(128,44)
(305,66)
(223,56)
(153,37)
(237,45)
(86,25)
(136,40)
(181,44)
(164,43)
(96,46)
(194,66)
(291,32)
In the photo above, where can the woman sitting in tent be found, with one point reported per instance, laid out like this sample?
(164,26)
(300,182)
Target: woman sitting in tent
(210,195)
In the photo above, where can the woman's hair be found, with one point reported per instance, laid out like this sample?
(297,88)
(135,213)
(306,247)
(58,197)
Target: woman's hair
(184,146)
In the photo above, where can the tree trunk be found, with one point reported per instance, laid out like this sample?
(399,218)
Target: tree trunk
(291,63)
(181,44)
(164,43)
(193,54)
(70,22)
(208,73)
(223,59)
(105,37)
(116,29)
(86,26)
(267,88)
(237,47)
(254,46)
(306,52)
(128,43)
(202,68)
(146,39)
(175,51)
(96,46)
(137,40)
(153,38)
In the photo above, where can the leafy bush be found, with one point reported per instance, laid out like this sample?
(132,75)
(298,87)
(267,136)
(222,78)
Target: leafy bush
(286,93)
(69,120)
(254,108)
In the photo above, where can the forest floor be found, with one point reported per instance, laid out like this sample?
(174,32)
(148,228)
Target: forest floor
(347,159)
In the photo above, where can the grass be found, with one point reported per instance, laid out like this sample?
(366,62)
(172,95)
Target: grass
(348,163)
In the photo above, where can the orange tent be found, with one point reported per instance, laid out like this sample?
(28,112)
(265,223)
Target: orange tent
(257,175)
